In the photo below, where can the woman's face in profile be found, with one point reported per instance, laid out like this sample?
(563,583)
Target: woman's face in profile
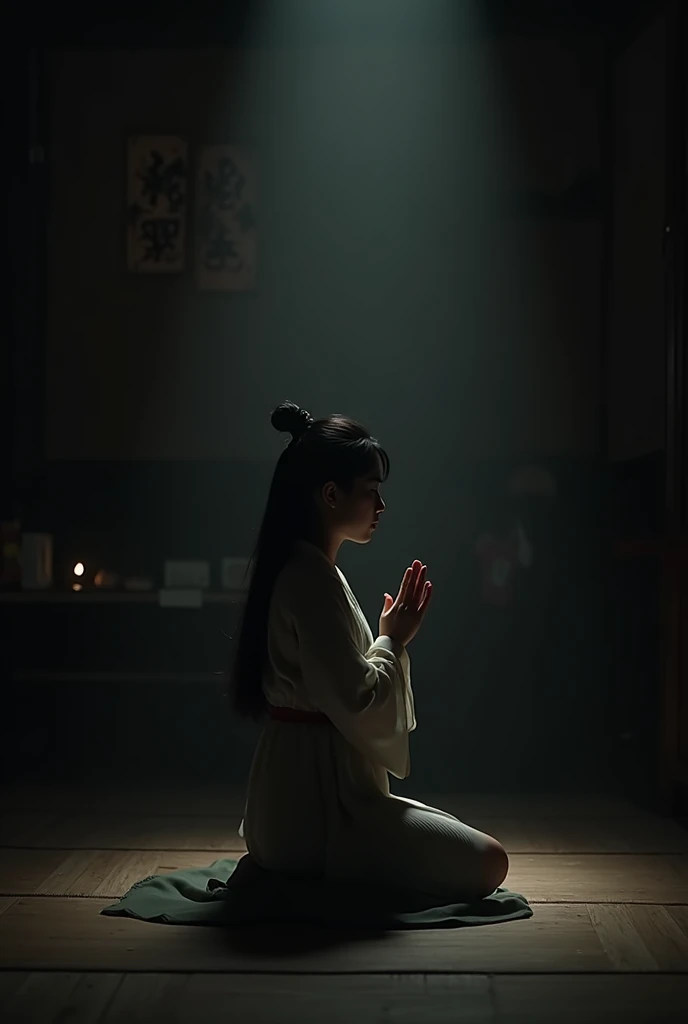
(354,514)
(365,507)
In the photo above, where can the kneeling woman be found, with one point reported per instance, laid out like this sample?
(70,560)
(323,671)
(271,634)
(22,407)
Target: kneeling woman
(339,703)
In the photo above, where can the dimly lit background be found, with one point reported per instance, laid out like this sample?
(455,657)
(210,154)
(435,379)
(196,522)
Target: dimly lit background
(459,218)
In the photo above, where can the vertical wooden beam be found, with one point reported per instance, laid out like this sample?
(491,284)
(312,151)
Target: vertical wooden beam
(27,233)
(675,269)
(674,596)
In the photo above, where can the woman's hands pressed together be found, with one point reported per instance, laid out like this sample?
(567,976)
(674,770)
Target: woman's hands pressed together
(401,616)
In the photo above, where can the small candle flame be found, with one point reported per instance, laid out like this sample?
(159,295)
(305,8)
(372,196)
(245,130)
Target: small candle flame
(79,569)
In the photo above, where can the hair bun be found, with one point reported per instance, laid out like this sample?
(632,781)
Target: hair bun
(288,418)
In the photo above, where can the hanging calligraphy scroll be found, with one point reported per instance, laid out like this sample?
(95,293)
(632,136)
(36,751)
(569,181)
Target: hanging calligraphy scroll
(226,237)
(156,203)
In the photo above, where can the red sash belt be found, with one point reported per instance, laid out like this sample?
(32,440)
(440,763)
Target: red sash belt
(293,715)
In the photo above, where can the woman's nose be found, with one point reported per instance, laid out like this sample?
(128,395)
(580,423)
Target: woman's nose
(380,505)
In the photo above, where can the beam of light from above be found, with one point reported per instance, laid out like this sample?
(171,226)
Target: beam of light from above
(382,140)
(370,122)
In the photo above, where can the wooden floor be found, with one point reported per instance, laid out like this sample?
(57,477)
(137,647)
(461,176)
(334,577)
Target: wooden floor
(608,940)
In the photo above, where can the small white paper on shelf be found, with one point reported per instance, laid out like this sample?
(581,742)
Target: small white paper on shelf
(180,598)
(187,574)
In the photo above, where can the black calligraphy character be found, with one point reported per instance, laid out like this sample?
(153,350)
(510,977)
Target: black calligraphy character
(221,252)
(225,189)
(159,237)
(161,179)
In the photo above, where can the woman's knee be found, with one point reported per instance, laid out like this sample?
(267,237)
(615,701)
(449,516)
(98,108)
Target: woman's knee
(495,866)
(479,873)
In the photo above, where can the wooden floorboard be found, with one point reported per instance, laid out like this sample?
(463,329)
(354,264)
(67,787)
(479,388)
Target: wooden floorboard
(29,997)
(6,902)
(584,878)
(46,998)
(406,998)
(642,938)
(22,871)
(144,998)
(608,941)
(591,999)
(69,934)
(602,878)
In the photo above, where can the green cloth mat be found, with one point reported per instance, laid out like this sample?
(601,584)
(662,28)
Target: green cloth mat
(199,896)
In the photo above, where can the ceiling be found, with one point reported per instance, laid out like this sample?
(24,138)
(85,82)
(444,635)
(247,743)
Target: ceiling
(229,22)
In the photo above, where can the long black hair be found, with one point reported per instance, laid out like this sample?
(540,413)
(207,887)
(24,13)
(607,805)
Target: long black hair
(334,449)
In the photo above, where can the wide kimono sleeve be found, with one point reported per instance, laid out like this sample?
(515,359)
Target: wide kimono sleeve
(364,689)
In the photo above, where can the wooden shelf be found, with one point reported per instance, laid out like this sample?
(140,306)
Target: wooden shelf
(108,597)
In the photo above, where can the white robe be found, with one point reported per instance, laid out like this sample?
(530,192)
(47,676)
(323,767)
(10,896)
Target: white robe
(318,797)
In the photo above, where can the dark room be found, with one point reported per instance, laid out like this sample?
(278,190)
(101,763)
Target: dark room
(344,513)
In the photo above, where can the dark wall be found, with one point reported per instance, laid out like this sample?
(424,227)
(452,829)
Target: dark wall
(479,245)
(636,353)
(450,299)
(636,370)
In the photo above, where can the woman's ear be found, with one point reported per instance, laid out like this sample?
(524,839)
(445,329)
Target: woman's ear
(329,494)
